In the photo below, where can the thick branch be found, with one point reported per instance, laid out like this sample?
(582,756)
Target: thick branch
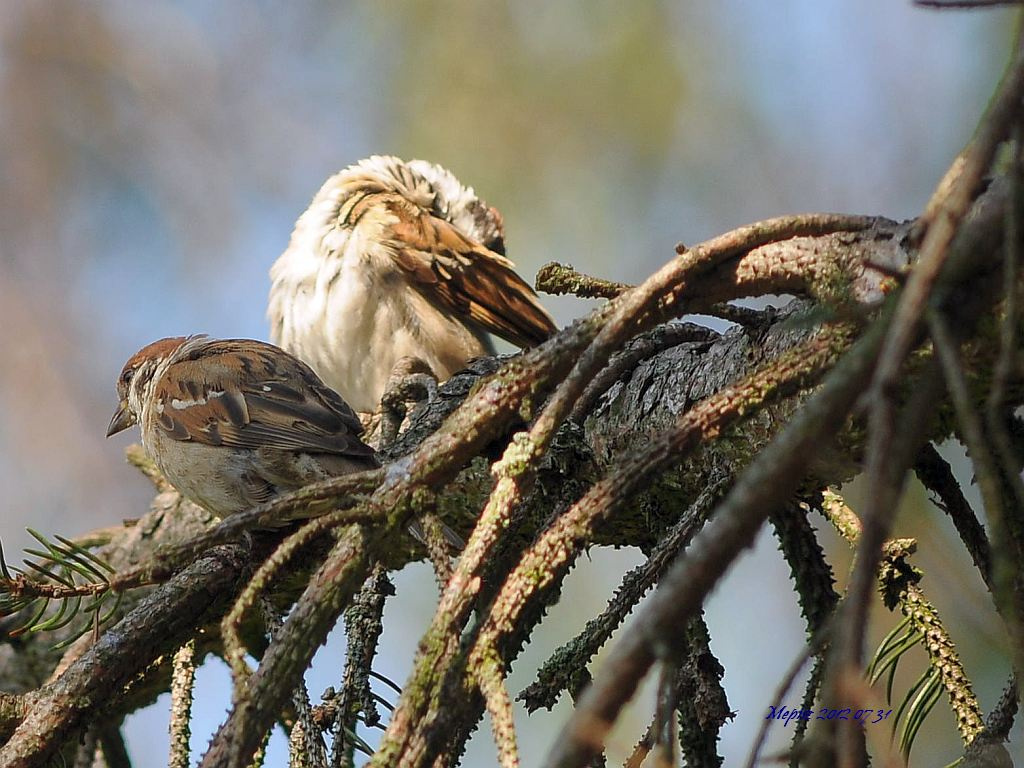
(158,626)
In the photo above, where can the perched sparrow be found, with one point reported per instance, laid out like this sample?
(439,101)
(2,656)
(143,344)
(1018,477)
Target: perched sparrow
(397,260)
(233,423)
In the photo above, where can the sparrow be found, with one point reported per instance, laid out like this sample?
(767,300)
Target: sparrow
(233,423)
(397,260)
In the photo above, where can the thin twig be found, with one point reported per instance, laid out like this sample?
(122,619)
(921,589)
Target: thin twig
(157,625)
(989,483)
(182,683)
(492,685)
(437,548)
(323,496)
(815,646)
(774,474)
(995,408)
(558,279)
(262,580)
(700,699)
(363,628)
(940,221)
(22,587)
(115,751)
(664,752)
(290,652)
(935,475)
(903,441)
(898,584)
(544,564)
(570,660)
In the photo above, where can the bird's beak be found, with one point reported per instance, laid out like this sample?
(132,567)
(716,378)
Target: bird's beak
(121,420)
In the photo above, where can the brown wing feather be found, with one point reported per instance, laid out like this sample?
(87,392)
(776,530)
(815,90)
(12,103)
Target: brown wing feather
(468,279)
(275,401)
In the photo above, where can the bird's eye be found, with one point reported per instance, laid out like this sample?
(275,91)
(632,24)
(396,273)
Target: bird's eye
(126,377)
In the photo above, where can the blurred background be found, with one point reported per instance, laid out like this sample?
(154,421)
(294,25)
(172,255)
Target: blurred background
(154,156)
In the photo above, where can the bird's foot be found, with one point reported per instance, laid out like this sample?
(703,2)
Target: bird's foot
(411,381)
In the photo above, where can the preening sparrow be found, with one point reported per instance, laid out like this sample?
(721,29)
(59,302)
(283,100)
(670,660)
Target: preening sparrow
(397,260)
(233,423)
